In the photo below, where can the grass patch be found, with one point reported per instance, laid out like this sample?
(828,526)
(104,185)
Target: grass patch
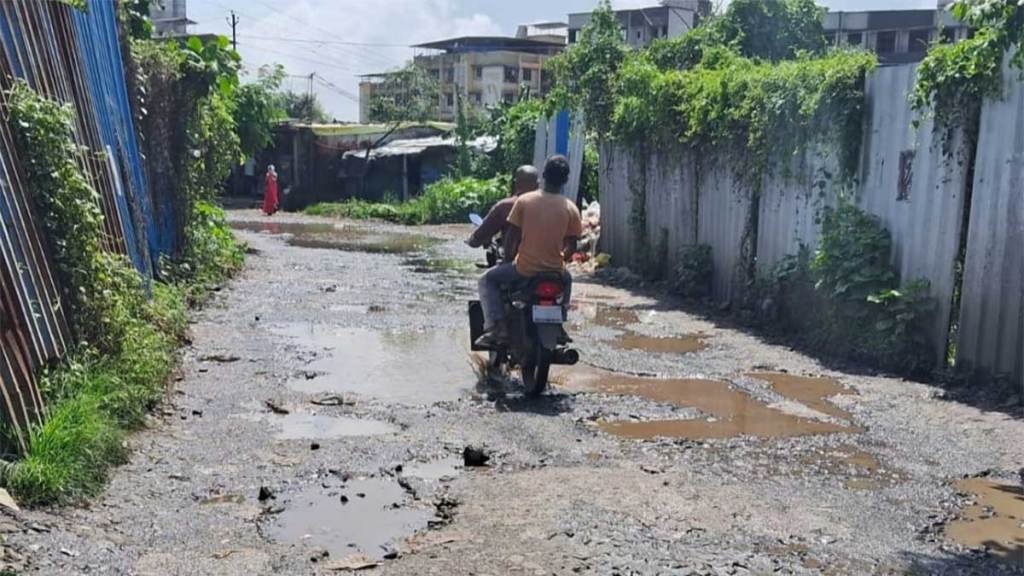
(444,202)
(95,400)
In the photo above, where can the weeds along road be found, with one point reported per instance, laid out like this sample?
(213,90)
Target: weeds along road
(323,406)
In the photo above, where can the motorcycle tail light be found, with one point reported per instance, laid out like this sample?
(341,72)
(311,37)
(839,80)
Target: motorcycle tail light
(548,290)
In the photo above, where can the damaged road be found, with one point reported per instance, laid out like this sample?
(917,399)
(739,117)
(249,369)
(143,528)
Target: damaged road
(329,396)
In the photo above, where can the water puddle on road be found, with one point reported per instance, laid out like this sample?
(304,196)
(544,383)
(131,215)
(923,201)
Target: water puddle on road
(671,345)
(619,318)
(731,412)
(995,522)
(434,471)
(367,516)
(861,470)
(438,265)
(404,367)
(813,392)
(345,238)
(316,427)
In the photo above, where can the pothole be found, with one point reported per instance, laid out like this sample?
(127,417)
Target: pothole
(730,412)
(995,522)
(365,516)
(403,367)
(622,319)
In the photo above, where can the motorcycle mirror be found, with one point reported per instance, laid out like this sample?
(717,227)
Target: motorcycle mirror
(476,219)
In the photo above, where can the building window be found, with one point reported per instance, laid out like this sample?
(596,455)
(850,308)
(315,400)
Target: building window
(450,100)
(639,35)
(572,36)
(948,35)
(450,75)
(435,73)
(508,97)
(527,75)
(664,31)
(477,97)
(511,75)
(478,71)
(855,38)
(886,42)
(919,40)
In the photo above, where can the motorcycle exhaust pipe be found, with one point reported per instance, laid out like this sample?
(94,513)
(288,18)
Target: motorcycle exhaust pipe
(566,357)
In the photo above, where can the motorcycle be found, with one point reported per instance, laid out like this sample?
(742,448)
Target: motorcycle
(535,314)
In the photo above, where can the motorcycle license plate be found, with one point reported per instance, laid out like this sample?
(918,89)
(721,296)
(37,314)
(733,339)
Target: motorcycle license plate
(547,315)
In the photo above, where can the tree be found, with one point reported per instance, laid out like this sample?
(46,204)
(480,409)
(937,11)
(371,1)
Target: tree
(258,106)
(585,74)
(772,29)
(410,94)
(303,107)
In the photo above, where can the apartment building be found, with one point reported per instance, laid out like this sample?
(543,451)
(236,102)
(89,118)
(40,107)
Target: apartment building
(896,36)
(484,70)
(642,26)
(170,18)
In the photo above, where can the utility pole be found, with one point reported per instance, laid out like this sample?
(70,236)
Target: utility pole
(233,21)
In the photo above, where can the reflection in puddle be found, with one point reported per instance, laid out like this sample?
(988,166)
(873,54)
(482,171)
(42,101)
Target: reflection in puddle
(402,367)
(359,517)
(332,237)
(812,392)
(732,412)
(311,427)
(436,470)
(994,522)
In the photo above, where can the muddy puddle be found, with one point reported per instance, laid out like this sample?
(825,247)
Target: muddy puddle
(812,392)
(621,319)
(995,522)
(730,412)
(403,367)
(861,470)
(366,516)
(345,238)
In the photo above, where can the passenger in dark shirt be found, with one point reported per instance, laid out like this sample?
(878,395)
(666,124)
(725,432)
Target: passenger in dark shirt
(526,180)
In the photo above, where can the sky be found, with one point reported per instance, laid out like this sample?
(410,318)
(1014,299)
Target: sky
(340,39)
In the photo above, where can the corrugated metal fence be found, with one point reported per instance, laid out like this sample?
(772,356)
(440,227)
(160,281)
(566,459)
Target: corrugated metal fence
(73,57)
(913,181)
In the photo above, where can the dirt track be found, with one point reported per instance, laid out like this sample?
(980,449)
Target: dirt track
(853,476)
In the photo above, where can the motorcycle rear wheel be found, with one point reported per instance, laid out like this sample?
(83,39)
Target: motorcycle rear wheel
(536,370)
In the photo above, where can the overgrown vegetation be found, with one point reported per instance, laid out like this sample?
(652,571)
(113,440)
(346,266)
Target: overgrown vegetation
(447,201)
(124,341)
(846,298)
(125,332)
(954,78)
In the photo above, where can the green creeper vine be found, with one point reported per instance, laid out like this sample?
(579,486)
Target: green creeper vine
(954,78)
(103,291)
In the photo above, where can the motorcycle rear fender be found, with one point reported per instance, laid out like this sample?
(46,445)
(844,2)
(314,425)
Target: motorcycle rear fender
(547,335)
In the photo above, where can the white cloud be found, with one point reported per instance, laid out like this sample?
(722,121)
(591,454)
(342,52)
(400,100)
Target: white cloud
(394,22)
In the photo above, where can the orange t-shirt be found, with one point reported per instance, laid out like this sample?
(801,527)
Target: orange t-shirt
(545,220)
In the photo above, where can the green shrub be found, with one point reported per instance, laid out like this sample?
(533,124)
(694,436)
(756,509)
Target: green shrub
(695,271)
(846,299)
(445,202)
